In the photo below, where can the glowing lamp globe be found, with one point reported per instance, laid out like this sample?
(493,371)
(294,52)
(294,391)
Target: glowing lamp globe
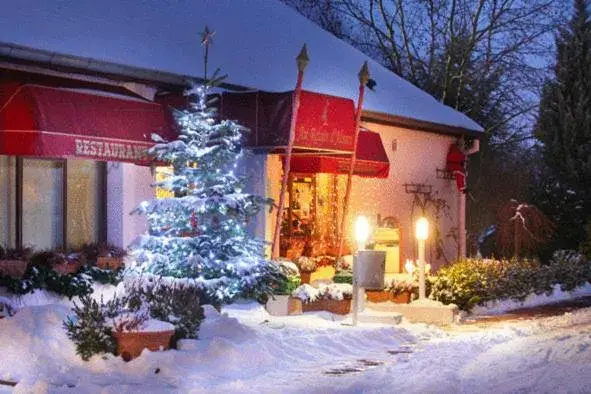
(361,231)
(422,229)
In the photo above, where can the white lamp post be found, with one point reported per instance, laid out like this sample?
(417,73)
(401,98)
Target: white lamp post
(361,236)
(422,233)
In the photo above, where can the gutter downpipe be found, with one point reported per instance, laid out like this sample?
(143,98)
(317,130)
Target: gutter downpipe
(462,205)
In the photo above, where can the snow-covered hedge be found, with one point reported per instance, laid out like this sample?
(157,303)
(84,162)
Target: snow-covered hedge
(332,291)
(475,281)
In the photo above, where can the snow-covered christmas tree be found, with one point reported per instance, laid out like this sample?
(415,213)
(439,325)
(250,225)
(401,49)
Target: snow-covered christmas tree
(200,232)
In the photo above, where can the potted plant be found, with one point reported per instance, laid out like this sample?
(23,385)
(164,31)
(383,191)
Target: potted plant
(14,261)
(134,332)
(343,277)
(151,315)
(306,266)
(333,297)
(401,292)
(110,257)
(104,255)
(283,303)
(60,261)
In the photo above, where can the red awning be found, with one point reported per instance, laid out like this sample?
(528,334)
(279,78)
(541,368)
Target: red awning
(54,122)
(325,123)
(371,159)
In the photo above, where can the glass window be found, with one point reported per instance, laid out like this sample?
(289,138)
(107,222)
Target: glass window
(160,175)
(43,203)
(302,207)
(7,200)
(84,202)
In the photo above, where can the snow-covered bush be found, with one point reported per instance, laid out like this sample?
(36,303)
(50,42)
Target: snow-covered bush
(289,279)
(399,287)
(44,277)
(174,301)
(306,264)
(475,281)
(89,328)
(288,267)
(333,291)
(570,269)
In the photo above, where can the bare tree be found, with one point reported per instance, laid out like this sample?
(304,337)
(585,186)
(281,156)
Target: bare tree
(485,58)
(482,57)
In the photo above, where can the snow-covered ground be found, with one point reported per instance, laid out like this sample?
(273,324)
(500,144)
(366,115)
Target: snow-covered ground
(247,350)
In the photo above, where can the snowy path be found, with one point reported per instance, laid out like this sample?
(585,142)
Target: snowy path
(248,351)
(538,355)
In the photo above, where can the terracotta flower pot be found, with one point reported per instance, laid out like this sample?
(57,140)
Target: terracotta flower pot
(378,295)
(68,267)
(13,268)
(401,298)
(305,276)
(110,263)
(338,307)
(130,344)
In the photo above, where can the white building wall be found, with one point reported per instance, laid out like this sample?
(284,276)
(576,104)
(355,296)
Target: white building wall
(414,158)
(253,167)
(127,186)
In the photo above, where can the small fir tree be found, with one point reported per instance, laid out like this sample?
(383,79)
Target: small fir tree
(564,129)
(200,232)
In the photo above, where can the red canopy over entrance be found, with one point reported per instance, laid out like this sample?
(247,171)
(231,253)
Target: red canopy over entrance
(54,122)
(325,123)
(371,159)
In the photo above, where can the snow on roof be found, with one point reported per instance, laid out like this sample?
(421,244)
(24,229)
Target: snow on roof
(255,43)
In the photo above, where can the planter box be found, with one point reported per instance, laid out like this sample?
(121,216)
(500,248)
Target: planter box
(68,268)
(131,344)
(378,295)
(402,298)
(339,307)
(383,296)
(109,263)
(13,268)
(284,305)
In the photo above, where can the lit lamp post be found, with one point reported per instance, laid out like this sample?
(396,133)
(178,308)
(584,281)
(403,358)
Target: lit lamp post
(422,233)
(361,236)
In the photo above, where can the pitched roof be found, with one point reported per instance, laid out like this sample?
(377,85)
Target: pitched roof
(255,43)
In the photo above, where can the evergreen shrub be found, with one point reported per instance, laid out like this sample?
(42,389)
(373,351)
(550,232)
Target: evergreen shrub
(472,282)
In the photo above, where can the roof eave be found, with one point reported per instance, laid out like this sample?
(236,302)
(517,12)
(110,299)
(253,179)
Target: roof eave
(70,63)
(89,66)
(421,125)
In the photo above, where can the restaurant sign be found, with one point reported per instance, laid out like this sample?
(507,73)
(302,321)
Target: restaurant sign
(106,150)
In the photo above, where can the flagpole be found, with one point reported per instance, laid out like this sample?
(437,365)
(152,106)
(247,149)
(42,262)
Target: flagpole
(363,78)
(302,62)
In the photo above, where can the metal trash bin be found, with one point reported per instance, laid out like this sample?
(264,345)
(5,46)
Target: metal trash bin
(388,240)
